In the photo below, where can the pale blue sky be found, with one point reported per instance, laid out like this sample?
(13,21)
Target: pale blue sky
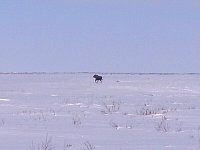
(100,35)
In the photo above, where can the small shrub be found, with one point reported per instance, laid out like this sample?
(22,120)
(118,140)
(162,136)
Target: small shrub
(76,120)
(146,110)
(88,146)
(114,125)
(111,108)
(66,146)
(163,126)
(45,145)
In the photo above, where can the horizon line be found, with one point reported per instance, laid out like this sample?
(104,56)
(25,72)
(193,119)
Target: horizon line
(85,72)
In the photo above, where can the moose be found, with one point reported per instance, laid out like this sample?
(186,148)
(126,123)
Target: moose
(97,78)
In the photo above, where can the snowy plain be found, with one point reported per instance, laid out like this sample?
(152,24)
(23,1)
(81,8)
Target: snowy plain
(70,111)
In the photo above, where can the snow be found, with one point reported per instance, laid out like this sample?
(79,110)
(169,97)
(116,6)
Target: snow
(125,112)
(4,99)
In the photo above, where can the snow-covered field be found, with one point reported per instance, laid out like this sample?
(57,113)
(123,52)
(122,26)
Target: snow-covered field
(125,112)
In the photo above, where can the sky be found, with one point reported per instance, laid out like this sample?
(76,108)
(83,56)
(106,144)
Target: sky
(137,36)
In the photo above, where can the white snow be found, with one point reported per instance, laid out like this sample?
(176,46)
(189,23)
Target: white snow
(125,112)
(4,99)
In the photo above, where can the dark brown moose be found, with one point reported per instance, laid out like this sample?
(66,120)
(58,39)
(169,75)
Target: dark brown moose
(97,78)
